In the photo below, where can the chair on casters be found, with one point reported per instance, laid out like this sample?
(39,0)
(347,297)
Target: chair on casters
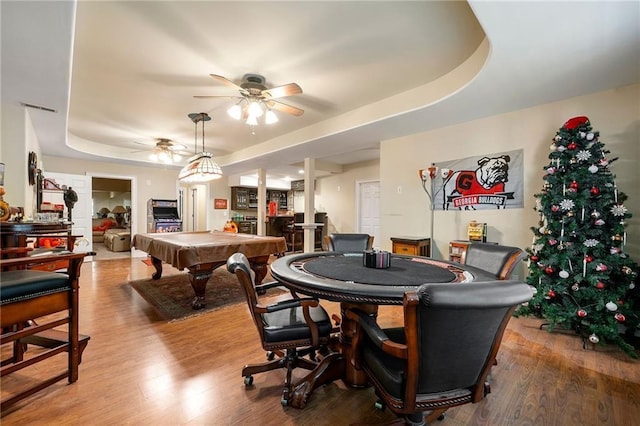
(29,294)
(427,367)
(496,259)
(349,243)
(297,326)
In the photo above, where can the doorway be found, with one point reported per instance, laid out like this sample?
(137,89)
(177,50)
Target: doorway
(109,194)
(368,208)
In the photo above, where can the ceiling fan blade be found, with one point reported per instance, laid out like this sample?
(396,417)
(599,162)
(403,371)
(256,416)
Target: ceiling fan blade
(228,82)
(279,106)
(281,91)
(212,96)
(177,147)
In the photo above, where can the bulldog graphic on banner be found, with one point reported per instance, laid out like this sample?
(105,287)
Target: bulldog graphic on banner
(485,182)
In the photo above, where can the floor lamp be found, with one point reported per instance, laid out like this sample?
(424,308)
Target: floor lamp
(429,174)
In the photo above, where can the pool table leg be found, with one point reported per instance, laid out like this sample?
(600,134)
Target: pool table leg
(157,264)
(199,283)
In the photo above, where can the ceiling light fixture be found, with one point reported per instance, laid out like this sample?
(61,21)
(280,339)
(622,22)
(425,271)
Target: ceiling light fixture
(163,152)
(250,110)
(201,167)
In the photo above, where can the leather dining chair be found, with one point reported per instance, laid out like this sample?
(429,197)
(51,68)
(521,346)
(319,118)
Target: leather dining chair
(442,356)
(349,243)
(494,258)
(289,329)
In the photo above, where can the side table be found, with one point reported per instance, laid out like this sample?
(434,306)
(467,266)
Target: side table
(416,246)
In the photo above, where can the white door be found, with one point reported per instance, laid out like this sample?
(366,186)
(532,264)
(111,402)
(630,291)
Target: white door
(369,209)
(194,207)
(82,209)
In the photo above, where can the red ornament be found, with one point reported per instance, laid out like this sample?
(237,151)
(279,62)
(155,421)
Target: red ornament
(588,258)
(594,190)
(619,317)
(582,313)
(534,258)
(572,145)
(600,285)
(555,208)
(573,185)
(548,270)
(574,122)
(551,293)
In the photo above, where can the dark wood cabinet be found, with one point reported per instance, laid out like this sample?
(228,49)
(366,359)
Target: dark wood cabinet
(239,198)
(245,198)
(279,197)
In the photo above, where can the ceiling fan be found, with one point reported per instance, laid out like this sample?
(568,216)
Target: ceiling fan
(167,151)
(256,99)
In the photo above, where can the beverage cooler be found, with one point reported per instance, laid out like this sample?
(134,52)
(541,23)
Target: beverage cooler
(162,216)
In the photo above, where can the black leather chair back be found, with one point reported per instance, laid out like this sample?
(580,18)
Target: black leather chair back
(458,327)
(349,243)
(494,258)
(443,354)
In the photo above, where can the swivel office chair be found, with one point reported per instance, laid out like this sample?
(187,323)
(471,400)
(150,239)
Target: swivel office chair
(297,326)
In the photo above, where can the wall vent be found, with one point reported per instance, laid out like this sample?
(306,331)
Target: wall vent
(43,108)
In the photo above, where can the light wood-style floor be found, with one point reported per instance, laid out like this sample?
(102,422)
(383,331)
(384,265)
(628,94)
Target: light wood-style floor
(138,369)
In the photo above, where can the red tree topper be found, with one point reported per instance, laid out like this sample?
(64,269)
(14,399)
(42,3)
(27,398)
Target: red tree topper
(574,122)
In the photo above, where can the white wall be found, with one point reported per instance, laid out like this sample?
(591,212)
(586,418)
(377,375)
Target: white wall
(615,114)
(18,139)
(336,194)
(152,182)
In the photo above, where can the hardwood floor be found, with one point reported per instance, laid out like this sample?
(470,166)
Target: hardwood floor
(139,369)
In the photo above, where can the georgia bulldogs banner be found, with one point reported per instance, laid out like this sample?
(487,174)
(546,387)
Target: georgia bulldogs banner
(484,182)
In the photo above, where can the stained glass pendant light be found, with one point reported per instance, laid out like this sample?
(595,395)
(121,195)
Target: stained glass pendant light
(201,167)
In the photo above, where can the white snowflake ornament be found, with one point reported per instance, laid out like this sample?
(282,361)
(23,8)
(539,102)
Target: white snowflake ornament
(618,210)
(567,204)
(590,243)
(583,155)
(593,168)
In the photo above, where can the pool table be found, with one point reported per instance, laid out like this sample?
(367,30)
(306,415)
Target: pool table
(202,252)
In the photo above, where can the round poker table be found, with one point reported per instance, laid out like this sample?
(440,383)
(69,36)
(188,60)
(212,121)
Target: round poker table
(343,277)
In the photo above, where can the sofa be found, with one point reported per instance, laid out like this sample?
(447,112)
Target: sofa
(100,226)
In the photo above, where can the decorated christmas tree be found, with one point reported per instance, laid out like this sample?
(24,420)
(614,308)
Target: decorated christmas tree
(585,280)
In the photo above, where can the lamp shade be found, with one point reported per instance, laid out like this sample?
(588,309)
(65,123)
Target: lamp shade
(201,168)
(104,211)
(118,210)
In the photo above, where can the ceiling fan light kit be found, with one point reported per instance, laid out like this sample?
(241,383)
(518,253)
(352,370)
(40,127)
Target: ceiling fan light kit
(201,167)
(164,151)
(257,101)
